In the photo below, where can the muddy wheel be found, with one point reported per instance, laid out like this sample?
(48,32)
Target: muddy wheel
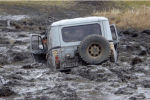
(94,49)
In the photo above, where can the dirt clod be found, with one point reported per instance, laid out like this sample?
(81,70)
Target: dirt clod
(20,56)
(13,83)
(148,50)
(127,32)
(27,67)
(146,31)
(17,26)
(135,35)
(126,91)
(22,35)
(42,98)
(136,60)
(3,61)
(19,42)
(6,91)
(138,97)
(146,83)
(143,53)
(4,42)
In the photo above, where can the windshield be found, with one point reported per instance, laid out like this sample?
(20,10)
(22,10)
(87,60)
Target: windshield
(77,33)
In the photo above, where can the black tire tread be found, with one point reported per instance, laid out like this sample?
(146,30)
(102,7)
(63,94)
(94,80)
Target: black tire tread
(83,43)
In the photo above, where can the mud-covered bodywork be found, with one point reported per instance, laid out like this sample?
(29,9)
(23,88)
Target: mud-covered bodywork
(64,39)
(67,57)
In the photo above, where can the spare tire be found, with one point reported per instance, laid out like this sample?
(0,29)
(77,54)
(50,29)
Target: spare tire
(94,49)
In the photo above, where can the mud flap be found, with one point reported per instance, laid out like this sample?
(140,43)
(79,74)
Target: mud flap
(38,49)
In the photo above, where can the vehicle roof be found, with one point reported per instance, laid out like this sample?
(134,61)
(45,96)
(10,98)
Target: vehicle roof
(78,20)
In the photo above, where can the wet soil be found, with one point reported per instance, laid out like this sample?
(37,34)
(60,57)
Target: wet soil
(23,79)
(128,79)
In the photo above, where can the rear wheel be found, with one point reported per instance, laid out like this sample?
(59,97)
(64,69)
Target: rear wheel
(94,49)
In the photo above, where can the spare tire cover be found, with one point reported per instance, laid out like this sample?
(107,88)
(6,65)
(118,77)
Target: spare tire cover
(94,49)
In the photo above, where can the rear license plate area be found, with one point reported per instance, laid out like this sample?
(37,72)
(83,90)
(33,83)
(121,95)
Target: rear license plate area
(73,64)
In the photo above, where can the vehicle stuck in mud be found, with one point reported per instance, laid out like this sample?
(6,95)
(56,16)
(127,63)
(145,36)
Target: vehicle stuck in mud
(75,42)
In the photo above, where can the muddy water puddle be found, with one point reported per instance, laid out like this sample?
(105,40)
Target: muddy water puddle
(13,17)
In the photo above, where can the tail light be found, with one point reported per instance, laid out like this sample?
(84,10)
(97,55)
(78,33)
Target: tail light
(56,60)
(112,52)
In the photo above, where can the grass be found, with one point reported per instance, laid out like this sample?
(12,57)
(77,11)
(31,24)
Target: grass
(42,9)
(126,17)
(137,4)
(137,19)
(65,4)
(44,6)
(118,12)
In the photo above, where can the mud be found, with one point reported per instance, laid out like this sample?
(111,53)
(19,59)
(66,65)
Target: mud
(23,79)
(128,79)
(6,91)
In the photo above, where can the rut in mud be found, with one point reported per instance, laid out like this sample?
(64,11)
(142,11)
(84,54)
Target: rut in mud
(21,78)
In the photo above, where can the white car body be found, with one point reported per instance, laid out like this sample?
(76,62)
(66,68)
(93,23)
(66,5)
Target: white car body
(58,47)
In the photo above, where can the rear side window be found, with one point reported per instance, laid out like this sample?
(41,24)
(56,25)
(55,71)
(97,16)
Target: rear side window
(77,33)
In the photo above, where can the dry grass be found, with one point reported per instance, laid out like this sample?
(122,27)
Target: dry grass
(68,9)
(138,19)
(45,6)
(65,4)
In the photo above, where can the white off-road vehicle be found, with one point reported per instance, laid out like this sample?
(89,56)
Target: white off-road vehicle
(76,42)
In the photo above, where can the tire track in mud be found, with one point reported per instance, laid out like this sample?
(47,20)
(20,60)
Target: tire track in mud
(123,80)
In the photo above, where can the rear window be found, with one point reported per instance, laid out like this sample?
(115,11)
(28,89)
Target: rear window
(77,33)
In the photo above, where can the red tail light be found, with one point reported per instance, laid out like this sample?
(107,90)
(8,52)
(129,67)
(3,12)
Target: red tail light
(56,59)
(112,52)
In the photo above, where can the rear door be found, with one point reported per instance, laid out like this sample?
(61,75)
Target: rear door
(114,35)
(38,49)
(115,40)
